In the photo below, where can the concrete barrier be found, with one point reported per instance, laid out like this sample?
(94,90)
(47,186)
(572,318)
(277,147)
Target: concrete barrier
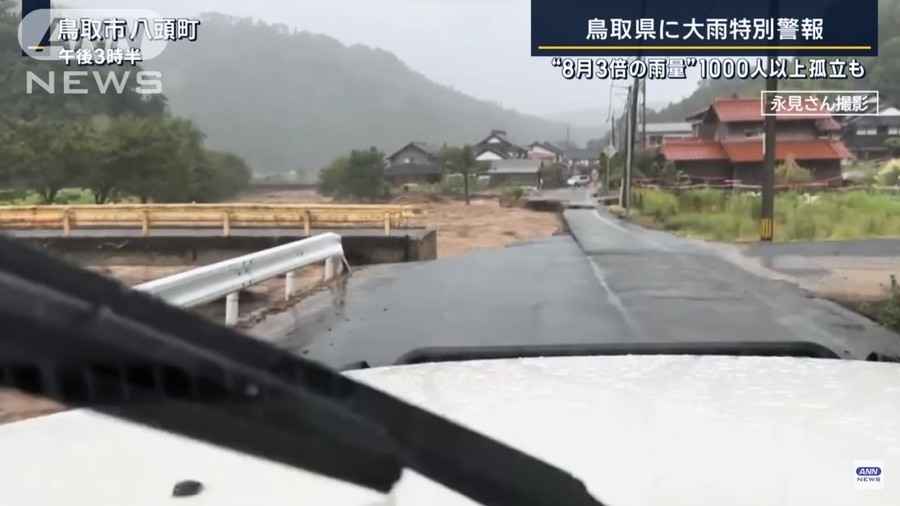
(361,247)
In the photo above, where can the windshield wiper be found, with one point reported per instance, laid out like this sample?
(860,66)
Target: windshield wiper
(84,340)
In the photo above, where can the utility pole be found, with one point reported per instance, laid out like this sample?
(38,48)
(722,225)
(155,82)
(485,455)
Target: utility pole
(644,114)
(612,142)
(767,207)
(630,134)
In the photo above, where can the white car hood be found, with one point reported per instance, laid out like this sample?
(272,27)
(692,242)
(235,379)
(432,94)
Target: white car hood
(638,430)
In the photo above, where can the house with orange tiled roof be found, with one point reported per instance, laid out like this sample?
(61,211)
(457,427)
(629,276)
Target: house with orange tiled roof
(728,143)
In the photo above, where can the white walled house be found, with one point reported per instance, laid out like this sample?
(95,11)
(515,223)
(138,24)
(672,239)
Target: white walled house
(497,147)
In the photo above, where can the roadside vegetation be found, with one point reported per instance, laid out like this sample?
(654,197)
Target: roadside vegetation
(885,310)
(147,159)
(359,175)
(724,215)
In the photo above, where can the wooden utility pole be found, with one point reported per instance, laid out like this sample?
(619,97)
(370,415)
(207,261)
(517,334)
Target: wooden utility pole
(767,207)
(644,114)
(630,134)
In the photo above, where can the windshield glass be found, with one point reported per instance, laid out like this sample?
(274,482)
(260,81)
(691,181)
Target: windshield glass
(461,204)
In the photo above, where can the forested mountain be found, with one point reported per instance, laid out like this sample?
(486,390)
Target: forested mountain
(117,145)
(882,73)
(286,99)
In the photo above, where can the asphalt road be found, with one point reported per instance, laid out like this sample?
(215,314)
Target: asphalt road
(609,282)
(674,288)
(567,197)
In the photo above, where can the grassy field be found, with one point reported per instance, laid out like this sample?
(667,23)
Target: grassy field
(727,216)
(65,196)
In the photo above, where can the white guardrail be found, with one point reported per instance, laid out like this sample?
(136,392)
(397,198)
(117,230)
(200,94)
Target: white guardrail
(227,278)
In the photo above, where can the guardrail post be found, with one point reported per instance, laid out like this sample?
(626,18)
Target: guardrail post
(231,308)
(67,223)
(289,285)
(306,220)
(339,268)
(387,223)
(226,224)
(329,269)
(145,223)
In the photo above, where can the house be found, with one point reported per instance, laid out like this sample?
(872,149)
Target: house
(416,162)
(728,143)
(497,147)
(544,151)
(656,132)
(521,172)
(865,136)
(583,158)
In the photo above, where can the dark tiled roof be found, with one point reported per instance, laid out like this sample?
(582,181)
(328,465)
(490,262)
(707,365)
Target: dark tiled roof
(413,169)
(424,147)
(503,145)
(548,146)
(428,148)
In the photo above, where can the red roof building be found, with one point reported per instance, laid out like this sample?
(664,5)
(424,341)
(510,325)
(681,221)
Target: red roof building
(728,143)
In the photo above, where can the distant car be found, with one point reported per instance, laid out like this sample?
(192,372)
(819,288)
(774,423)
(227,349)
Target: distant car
(578,181)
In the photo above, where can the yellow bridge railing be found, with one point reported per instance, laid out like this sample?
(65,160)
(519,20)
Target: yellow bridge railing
(224,216)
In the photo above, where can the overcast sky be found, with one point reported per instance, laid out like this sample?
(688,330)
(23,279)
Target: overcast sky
(479,47)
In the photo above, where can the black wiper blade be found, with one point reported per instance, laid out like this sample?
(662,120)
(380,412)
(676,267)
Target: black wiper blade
(85,340)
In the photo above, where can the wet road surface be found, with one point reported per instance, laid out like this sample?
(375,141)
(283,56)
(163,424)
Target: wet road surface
(609,282)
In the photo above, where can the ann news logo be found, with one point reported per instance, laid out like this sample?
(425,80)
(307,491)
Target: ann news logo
(96,49)
(868,475)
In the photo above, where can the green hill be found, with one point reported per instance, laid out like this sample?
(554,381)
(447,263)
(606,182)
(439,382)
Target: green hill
(286,99)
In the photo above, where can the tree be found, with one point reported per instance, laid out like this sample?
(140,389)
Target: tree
(219,176)
(47,156)
(359,175)
(330,177)
(160,155)
(893,144)
(462,160)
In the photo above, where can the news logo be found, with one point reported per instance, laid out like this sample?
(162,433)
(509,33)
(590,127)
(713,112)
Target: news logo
(868,475)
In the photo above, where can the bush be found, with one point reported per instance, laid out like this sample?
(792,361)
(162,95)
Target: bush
(658,204)
(889,313)
(889,173)
(514,193)
(702,200)
(359,175)
(219,176)
(790,172)
(720,215)
(861,172)
(719,227)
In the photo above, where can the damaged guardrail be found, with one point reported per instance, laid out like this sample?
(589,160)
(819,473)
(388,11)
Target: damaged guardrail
(226,279)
